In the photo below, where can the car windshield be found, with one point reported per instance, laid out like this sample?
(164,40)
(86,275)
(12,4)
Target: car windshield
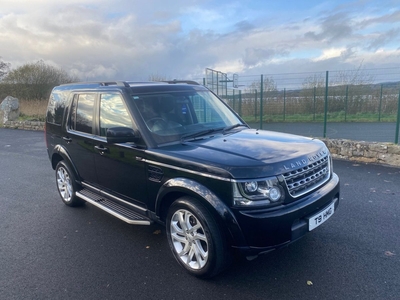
(176,115)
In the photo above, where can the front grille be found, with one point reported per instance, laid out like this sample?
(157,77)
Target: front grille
(305,179)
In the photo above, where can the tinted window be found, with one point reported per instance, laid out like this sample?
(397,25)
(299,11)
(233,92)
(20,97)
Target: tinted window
(82,113)
(113,113)
(56,106)
(174,114)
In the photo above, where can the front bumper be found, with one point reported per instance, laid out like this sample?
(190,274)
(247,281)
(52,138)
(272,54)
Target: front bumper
(267,229)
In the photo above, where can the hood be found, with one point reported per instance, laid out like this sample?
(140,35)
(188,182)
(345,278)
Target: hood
(249,153)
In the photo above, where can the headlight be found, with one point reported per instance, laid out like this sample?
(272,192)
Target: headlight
(258,192)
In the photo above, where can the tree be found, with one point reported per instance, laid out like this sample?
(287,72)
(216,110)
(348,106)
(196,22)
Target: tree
(35,80)
(157,77)
(4,68)
(270,91)
(312,94)
(347,90)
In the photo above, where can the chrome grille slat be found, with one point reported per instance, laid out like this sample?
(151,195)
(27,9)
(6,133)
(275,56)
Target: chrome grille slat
(307,178)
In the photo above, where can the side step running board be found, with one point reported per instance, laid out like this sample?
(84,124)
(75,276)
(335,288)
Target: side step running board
(114,208)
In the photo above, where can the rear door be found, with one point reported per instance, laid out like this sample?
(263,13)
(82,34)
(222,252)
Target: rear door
(79,137)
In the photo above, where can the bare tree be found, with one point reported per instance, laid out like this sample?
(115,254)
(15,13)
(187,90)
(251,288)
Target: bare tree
(312,94)
(347,90)
(270,90)
(157,77)
(4,68)
(35,80)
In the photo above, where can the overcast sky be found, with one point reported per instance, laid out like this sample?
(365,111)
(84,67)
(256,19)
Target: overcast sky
(132,40)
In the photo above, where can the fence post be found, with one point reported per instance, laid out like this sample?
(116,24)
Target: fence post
(261,101)
(326,102)
(204,81)
(396,140)
(240,102)
(284,104)
(255,105)
(212,82)
(315,96)
(233,99)
(218,85)
(345,104)
(226,91)
(380,104)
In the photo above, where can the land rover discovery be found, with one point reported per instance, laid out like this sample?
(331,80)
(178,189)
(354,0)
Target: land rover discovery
(176,154)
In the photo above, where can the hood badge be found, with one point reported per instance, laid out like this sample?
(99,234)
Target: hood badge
(304,162)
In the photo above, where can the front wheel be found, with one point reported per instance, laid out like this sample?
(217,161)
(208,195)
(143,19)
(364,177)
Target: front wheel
(66,185)
(195,238)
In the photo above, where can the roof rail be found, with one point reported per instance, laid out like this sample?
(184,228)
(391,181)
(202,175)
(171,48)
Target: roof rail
(181,81)
(118,83)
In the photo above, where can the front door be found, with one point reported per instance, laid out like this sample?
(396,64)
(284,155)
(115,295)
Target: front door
(119,168)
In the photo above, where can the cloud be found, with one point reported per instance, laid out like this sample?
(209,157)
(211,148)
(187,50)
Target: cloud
(130,40)
(391,18)
(380,39)
(243,26)
(333,28)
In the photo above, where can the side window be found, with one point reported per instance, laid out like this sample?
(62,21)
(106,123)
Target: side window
(82,113)
(56,106)
(113,113)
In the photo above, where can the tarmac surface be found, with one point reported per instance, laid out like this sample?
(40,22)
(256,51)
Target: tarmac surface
(51,251)
(357,131)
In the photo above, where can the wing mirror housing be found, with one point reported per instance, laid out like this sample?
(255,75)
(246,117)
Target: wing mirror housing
(116,135)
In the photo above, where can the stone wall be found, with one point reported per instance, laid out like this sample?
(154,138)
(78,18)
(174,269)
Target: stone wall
(367,152)
(26,125)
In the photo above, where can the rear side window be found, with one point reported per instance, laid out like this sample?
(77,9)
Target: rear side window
(56,106)
(82,113)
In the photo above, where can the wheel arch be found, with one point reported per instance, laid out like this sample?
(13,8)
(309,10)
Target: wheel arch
(59,154)
(176,188)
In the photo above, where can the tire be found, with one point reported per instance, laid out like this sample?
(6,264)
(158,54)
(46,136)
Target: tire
(66,185)
(195,239)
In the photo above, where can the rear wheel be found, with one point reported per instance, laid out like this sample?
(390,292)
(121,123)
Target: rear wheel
(195,238)
(66,185)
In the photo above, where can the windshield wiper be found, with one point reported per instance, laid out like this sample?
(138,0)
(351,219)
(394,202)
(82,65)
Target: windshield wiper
(232,127)
(194,135)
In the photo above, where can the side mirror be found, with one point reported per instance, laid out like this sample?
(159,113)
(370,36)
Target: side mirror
(121,135)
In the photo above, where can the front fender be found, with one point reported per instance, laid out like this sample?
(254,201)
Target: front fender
(192,188)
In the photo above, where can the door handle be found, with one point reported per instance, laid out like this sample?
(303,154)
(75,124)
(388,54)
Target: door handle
(67,139)
(101,149)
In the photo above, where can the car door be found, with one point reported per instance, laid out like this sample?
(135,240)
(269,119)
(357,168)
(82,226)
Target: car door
(120,170)
(79,137)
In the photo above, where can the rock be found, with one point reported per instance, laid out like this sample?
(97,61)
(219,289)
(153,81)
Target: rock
(9,109)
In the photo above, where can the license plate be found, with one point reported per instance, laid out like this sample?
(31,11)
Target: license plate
(321,217)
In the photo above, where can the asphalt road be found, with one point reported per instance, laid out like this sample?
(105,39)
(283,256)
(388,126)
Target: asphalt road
(357,131)
(51,251)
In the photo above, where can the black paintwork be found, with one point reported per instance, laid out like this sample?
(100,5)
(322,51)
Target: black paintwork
(152,175)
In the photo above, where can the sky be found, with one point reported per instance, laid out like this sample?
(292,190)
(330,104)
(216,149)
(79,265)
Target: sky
(137,40)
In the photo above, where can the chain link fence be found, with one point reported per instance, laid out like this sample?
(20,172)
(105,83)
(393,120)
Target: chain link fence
(361,104)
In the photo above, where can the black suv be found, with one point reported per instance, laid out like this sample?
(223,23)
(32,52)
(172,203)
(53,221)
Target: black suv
(176,154)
